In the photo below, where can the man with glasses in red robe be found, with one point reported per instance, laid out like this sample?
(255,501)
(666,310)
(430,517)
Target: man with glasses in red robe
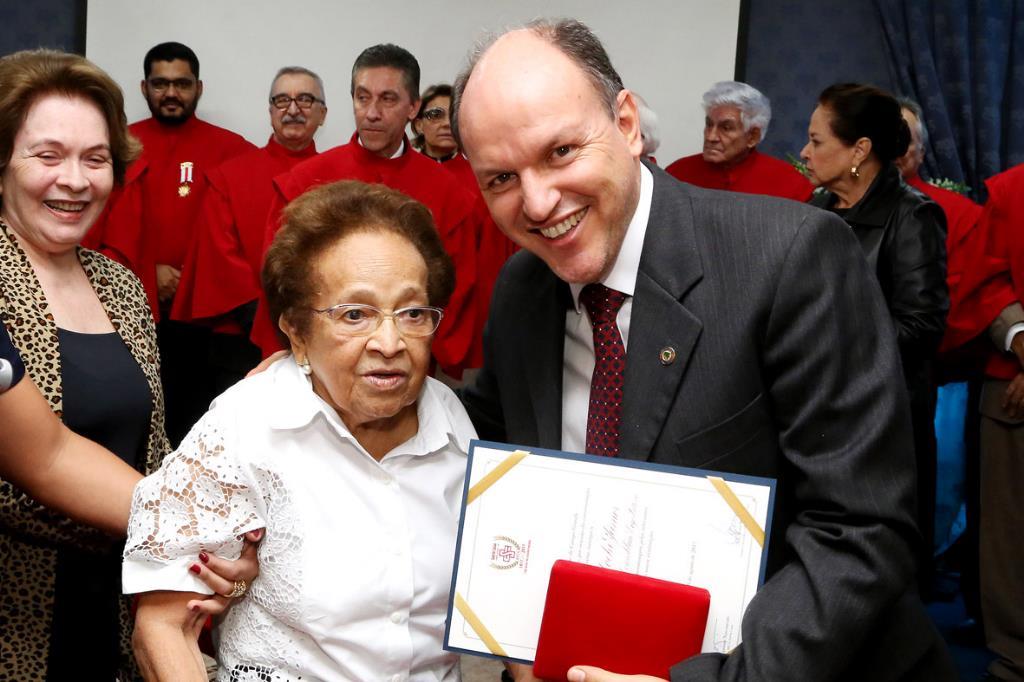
(220,283)
(149,223)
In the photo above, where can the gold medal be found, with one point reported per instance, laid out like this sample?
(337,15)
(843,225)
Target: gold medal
(185,188)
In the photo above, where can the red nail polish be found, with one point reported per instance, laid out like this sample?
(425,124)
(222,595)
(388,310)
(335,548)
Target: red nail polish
(195,568)
(204,557)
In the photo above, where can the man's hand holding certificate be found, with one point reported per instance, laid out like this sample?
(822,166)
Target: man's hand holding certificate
(525,509)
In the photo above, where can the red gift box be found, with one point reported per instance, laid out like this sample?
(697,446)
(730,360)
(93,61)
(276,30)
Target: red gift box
(622,622)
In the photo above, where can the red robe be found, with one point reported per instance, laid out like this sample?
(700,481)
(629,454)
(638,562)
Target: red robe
(991,268)
(493,249)
(455,213)
(962,217)
(151,220)
(756,174)
(222,271)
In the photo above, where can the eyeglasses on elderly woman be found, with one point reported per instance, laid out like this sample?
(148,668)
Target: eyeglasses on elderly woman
(356,319)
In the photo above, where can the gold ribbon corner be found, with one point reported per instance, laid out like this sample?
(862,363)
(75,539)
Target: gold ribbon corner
(495,474)
(478,627)
(737,507)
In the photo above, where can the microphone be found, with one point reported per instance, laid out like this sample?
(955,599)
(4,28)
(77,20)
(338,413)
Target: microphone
(6,375)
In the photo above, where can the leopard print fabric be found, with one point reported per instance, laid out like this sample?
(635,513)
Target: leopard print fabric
(30,533)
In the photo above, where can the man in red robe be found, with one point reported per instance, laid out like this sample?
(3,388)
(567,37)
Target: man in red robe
(149,223)
(385,97)
(736,118)
(220,283)
(962,214)
(994,277)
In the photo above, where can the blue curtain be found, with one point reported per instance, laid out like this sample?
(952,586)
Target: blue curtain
(963,61)
(57,24)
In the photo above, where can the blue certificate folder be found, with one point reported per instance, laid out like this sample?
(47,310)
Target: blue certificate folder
(525,507)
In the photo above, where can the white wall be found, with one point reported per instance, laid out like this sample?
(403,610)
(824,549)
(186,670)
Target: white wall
(669,51)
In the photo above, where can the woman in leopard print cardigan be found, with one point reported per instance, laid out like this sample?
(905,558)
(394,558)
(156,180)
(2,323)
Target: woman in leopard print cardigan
(63,144)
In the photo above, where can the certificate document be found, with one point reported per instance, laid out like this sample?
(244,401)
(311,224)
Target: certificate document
(525,508)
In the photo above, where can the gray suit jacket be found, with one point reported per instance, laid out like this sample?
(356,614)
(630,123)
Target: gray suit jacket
(786,366)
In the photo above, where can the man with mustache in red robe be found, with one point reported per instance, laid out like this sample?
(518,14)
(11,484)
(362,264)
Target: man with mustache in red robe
(220,283)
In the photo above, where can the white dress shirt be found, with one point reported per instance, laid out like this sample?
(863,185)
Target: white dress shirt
(578,354)
(398,152)
(355,566)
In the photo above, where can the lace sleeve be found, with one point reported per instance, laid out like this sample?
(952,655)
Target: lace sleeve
(202,498)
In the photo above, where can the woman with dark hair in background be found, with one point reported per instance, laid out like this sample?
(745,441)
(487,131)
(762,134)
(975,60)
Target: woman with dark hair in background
(435,140)
(433,134)
(855,135)
(432,126)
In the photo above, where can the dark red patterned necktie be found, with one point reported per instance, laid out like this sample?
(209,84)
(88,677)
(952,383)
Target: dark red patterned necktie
(609,365)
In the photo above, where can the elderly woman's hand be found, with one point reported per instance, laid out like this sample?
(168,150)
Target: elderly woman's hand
(221,575)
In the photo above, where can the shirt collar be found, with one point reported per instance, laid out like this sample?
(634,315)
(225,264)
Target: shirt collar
(438,427)
(622,276)
(441,159)
(398,152)
(278,149)
(296,406)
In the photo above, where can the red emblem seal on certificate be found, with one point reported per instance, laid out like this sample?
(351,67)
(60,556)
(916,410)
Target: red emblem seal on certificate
(506,553)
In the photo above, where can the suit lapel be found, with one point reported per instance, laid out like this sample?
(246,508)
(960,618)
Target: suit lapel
(663,333)
(542,355)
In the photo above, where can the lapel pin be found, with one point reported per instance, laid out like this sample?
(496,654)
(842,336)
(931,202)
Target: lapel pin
(667,355)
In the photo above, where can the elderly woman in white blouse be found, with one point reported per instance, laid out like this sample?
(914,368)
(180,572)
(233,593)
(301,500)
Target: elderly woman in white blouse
(345,451)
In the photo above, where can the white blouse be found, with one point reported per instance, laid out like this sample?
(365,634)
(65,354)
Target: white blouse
(355,566)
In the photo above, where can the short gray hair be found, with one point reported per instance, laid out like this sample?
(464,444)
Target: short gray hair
(299,71)
(648,126)
(915,108)
(571,37)
(755,109)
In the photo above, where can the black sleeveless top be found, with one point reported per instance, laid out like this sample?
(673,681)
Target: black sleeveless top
(106,399)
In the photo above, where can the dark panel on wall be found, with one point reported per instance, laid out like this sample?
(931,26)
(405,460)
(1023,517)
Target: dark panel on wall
(58,24)
(742,40)
(795,48)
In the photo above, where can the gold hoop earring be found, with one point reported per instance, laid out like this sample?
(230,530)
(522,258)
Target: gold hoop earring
(855,171)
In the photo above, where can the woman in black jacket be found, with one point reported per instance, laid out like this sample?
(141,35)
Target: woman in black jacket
(855,135)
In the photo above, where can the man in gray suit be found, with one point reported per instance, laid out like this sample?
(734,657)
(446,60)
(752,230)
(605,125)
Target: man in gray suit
(753,340)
